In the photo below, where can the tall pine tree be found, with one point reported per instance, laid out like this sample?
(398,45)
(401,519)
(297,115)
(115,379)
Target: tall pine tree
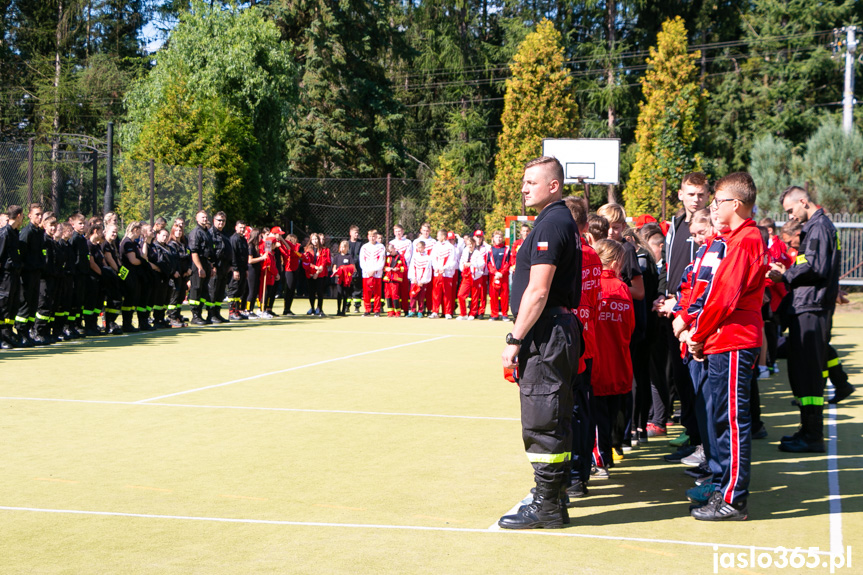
(539,103)
(668,120)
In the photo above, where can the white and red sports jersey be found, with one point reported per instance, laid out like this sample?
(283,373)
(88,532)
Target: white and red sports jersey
(484,250)
(420,269)
(372,257)
(500,252)
(615,321)
(404,247)
(429,241)
(443,258)
(474,262)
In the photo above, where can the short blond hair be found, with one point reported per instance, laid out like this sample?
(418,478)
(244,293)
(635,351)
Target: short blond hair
(614,213)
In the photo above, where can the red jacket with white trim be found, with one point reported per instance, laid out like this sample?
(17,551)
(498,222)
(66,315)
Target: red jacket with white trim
(591,271)
(733,275)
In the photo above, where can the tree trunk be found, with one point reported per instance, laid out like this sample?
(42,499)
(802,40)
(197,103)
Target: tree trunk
(55,144)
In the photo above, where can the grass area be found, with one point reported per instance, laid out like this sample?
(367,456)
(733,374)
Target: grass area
(350,445)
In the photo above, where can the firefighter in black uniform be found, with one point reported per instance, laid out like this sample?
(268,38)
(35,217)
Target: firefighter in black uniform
(201,246)
(47,284)
(179,245)
(32,241)
(81,273)
(545,343)
(221,268)
(814,284)
(167,260)
(111,284)
(10,276)
(237,287)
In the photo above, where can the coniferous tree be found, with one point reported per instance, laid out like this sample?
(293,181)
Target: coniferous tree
(539,103)
(668,120)
(770,167)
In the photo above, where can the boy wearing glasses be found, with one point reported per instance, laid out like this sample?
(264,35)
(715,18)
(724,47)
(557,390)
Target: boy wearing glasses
(723,328)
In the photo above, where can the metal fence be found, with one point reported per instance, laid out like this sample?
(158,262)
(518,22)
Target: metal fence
(63,180)
(331,206)
(146,189)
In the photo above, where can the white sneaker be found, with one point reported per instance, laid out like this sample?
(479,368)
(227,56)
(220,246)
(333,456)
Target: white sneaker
(461,317)
(506,318)
(470,318)
(433,316)
(763,372)
(448,316)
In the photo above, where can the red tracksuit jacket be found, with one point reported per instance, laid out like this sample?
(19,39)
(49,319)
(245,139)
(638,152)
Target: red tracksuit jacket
(730,280)
(591,270)
(614,323)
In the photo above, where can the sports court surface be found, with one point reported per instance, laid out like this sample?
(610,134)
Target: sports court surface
(361,445)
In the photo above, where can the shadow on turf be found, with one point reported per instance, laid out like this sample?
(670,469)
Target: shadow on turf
(783,485)
(146,338)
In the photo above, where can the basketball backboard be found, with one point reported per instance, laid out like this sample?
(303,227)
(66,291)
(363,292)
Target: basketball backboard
(587,160)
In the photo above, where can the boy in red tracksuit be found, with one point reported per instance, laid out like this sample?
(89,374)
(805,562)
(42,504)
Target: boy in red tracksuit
(723,328)
(611,378)
(394,275)
(498,262)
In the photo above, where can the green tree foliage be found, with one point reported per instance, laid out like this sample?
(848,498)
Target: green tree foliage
(833,165)
(539,103)
(459,195)
(220,95)
(668,120)
(347,121)
(777,84)
(771,166)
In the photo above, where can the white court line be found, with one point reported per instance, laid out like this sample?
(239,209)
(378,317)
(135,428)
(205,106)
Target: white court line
(495,527)
(301,330)
(534,532)
(833,480)
(253,408)
(315,364)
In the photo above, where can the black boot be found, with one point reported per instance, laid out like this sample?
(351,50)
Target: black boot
(197,319)
(144,321)
(23,335)
(127,322)
(544,512)
(90,327)
(811,436)
(7,340)
(37,334)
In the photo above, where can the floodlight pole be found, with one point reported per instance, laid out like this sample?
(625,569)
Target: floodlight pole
(848,99)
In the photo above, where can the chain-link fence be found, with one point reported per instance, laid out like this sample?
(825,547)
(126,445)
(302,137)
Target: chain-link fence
(148,189)
(331,206)
(62,180)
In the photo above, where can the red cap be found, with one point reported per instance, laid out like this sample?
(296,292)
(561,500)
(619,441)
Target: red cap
(478,233)
(277,230)
(450,236)
(644,219)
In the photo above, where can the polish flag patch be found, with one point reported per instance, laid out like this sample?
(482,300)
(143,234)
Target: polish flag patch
(542,246)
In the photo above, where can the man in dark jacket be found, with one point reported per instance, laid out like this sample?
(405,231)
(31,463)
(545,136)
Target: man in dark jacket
(237,287)
(10,276)
(814,284)
(32,242)
(222,268)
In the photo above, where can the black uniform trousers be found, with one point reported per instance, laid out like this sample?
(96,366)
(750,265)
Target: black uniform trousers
(808,336)
(199,287)
(178,294)
(604,412)
(238,290)
(582,434)
(29,299)
(45,307)
(254,282)
(161,297)
(10,286)
(548,365)
(79,294)
(289,288)
(93,299)
(218,285)
(63,300)
(110,283)
(131,288)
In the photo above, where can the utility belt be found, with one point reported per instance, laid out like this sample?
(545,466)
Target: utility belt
(555,311)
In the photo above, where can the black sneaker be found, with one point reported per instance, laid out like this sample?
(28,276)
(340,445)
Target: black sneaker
(577,489)
(366,314)
(717,509)
(841,393)
(802,444)
(699,472)
(683,451)
(198,320)
(760,433)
